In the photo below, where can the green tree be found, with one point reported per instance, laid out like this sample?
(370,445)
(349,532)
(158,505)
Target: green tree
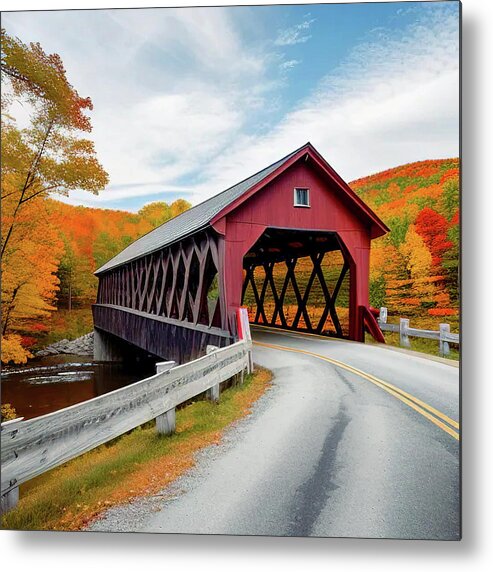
(105,248)
(156,213)
(398,229)
(75,273)
(377,291)
(451,197)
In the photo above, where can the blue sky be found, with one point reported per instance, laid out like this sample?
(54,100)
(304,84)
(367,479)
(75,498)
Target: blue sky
(189,101)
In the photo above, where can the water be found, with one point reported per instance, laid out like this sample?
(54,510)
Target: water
(54,382)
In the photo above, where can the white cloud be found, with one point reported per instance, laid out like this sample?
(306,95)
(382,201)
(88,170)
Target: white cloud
(170,88)
(289,64)
(295,35)
(178,97)
(388,104)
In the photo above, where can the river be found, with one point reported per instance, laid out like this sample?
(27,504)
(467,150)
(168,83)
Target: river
(54,382)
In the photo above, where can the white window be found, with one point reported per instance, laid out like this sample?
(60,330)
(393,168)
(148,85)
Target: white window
(301,197)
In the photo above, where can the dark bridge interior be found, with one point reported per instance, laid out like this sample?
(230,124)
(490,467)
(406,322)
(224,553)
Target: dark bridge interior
(298,280)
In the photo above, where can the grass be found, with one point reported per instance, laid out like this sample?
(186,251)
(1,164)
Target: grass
(430,347)
(422,345)
(136,464)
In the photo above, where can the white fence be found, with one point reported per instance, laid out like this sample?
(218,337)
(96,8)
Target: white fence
(442,335)
(30,448)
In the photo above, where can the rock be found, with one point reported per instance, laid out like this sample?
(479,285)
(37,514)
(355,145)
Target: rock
(81,346)
(43,353)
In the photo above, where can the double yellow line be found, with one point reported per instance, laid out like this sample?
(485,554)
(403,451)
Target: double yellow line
(434,415)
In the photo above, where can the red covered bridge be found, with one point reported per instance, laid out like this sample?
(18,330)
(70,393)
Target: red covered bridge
(270,242)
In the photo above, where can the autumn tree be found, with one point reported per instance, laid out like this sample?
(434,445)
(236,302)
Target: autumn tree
(179,206)
(433,228)
(29,281)
(451,259)
(49,156)
(418,261)
(156,213)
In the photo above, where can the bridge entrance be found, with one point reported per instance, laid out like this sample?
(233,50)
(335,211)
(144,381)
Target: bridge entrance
(298,280)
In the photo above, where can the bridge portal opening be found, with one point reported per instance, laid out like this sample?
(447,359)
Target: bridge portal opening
(298,280)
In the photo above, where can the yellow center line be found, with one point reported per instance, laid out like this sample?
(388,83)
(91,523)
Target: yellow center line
(432,414)
(416,400)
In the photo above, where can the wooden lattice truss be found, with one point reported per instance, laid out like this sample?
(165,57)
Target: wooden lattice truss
(180,282)
(268,290)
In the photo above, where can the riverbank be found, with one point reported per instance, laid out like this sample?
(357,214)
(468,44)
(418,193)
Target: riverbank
(139,463)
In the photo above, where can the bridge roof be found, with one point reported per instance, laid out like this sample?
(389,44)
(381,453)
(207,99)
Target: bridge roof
(200,216)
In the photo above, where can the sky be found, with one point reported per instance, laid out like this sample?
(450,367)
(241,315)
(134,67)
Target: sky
(189,101)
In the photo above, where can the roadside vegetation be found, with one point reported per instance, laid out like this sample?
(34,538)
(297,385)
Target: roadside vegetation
(139,463)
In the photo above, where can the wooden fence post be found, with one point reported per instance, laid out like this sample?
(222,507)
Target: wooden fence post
(212,394)
(382,318)
(32,447)
(9,500)
(166,422)
(403,336)
(444,346)
(163,366)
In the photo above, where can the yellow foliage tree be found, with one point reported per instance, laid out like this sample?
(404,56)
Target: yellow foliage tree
(418,261)
(13,351)
(29,281)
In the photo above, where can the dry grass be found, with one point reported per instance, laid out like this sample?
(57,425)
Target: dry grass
(137,464)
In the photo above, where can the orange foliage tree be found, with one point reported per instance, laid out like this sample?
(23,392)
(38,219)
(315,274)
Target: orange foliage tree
(48,156)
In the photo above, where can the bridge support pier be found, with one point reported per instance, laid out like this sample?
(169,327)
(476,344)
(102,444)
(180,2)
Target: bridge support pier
(106,347)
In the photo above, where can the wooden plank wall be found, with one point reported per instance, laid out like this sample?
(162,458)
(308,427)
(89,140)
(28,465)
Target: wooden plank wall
(166,338)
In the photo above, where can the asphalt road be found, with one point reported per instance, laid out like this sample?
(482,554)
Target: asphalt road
(327,452)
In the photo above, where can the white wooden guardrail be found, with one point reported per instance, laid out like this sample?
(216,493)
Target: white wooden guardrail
(443,335)
(30,448)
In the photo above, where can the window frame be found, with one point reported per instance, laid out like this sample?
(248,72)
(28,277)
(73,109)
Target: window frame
(295,197)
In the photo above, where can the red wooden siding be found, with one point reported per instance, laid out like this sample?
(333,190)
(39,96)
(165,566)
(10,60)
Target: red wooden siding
(272,206)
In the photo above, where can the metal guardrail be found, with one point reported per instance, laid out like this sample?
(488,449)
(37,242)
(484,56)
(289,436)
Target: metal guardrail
(443,335)
(30,448)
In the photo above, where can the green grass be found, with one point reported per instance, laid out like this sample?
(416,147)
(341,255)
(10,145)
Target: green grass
(138,463)
(423,345)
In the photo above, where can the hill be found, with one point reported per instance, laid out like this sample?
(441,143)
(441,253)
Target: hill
(414,269)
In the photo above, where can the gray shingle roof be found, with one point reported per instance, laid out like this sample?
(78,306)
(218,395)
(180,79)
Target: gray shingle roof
(190,221)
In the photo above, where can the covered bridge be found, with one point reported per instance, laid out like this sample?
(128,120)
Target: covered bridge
(269,242)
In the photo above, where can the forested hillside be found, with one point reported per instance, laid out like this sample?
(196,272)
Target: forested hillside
(414,269)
